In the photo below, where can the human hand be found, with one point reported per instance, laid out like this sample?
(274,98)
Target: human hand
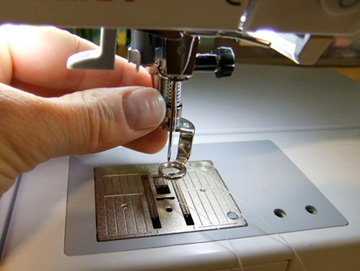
(48,111)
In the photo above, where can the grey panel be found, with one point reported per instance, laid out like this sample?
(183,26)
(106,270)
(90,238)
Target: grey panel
(273,195)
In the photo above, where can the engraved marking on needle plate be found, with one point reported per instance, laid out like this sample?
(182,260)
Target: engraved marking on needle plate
(135,201)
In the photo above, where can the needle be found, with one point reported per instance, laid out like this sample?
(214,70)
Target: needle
(173,117)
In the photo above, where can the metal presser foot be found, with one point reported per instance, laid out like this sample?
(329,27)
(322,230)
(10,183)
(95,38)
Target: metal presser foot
(173,123)
(173,170)
(172,57)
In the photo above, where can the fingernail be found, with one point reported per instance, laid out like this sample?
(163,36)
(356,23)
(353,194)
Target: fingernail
(144,108)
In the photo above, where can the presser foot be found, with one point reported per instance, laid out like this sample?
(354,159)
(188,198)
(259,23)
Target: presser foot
(173,170)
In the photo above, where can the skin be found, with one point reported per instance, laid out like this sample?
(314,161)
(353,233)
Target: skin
(49,111)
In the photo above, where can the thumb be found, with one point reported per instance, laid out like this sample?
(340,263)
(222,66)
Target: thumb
(34,129)
(99,119)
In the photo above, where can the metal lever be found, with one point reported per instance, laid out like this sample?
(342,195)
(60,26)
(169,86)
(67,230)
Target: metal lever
(102,58)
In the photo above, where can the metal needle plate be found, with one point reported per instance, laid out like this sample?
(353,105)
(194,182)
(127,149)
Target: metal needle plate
(135,201)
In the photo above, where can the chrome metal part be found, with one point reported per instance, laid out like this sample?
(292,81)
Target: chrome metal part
(173,121)
(172,170)
(187,132)
(175,91)
(237,35)
(135,201)
(172,57)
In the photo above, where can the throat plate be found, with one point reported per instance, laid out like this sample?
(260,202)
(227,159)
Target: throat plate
(135,201)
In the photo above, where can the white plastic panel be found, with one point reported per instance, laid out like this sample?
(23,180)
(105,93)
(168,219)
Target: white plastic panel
(326,17)
(155,14)
(322,141)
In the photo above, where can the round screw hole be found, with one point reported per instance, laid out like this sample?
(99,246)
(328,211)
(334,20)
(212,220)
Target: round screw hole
(280,213)
(169,209)
(311,209)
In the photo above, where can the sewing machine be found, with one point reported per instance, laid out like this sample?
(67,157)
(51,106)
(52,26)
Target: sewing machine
(269,181)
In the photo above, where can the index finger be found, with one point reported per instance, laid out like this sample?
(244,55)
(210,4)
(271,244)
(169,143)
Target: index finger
(39,56)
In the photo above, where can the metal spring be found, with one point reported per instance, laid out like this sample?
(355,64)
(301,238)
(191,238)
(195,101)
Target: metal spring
(178,87)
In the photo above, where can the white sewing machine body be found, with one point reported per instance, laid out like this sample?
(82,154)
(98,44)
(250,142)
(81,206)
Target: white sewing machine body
(285,141)
(315,124)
